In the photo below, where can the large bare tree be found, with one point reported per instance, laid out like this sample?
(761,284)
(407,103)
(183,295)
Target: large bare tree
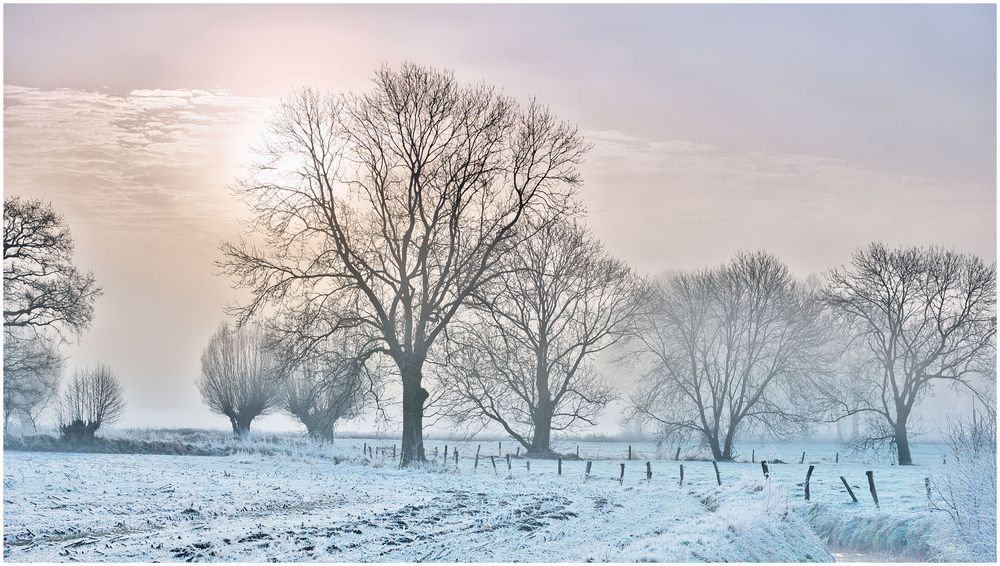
(523,356)
(379,214)
(42,289)
(730,348)
(92,398)
(46,300)
(240,377)
(919,316)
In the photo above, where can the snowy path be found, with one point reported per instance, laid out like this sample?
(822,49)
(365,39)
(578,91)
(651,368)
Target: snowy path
(91,507)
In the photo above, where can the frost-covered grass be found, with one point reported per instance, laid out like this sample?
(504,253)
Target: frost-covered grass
(288,498)
(255,507)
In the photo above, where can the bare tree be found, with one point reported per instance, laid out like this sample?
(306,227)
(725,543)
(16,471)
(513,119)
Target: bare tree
(46,300)
(42,289)
(92,398)
(321,391)
(381,213)
(32,368)
(240,378)
(920,316)
(730,349)
(523,357)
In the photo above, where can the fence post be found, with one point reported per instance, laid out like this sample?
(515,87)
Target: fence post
(763,467)
(587,473)
(508,461)
(809,474)
(559,470)
(630,452)
(528,463)
(718,478)
(871,486)
(677,455)
(849,490)
(456,456)
(435,452)
(364,449)
(445,453)
(649,470)
(577,451)
(682,476)
(621,477)
(476,467)
(518,454)
(393,451)
(753,455)
(494,462)
(499,448)
(802,460)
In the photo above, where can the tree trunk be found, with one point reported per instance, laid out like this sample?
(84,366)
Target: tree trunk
(713,443)
(542,437)
(414,396)
(902,443)
(241,426)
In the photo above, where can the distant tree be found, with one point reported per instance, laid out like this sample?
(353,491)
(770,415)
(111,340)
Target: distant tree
(46,300)
(382,213)
(92,399)
(729,349)
(32,369)
(240,378)
(919,316)
(523,357)
(321,391)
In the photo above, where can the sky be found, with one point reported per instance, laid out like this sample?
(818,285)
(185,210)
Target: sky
(804,130)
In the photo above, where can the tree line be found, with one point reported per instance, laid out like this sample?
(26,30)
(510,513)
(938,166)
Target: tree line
(424,242)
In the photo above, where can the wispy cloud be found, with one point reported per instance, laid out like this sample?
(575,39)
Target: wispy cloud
(676,203)
(147,162)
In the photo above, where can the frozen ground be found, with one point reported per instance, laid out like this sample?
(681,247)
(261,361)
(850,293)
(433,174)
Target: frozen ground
(260,507)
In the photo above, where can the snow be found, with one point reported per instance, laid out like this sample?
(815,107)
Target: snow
(334,505)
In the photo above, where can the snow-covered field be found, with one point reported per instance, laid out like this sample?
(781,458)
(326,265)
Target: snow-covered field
(257,507)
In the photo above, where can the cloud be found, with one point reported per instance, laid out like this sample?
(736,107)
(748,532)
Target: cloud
(678,204)
(149,163)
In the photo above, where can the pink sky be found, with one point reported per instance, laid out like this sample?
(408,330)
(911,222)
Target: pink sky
(807,131)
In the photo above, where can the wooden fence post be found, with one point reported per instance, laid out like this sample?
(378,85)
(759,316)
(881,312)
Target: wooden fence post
(630,452)
(435,452)
(508,461)
(849,490)
(394,452)
(682,476)
(871,486)
(587,473)
(621,477)
(753,455)
(577,451)
(677,455)
(456,456)
(445,453)
(559,470)
(718,478)
(518,454)
(499,448)
(494,462)
(837,459)
(763,467)
(808,475)
(476,467)
(802,460)
(649,470)
(528,463)
(364,449)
